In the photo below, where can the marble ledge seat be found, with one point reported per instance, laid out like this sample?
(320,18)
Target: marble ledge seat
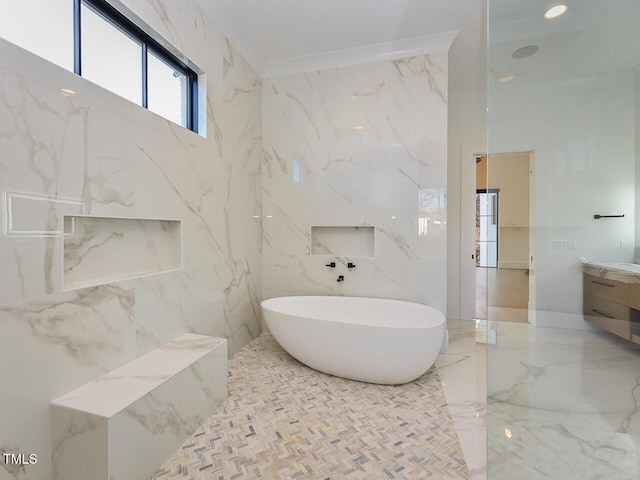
(125,424)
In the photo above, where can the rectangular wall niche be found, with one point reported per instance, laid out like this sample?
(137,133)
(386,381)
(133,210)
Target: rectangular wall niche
(343,241)
(32,215)
(99,250)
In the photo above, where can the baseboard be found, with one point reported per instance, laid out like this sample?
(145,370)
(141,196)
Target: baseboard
(444,348)
(513,264)
(572,321)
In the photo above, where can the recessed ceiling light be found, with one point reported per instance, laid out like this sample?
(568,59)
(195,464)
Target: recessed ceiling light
(525,52)
(508,78)
(67,91)
(555,12)
(358,127)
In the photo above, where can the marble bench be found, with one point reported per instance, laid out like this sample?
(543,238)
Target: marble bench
(125,424)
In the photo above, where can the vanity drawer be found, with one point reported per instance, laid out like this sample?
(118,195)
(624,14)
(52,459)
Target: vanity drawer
(611,316)
(634,296)
(612,290)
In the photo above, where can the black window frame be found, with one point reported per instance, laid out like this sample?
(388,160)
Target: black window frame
(122,23)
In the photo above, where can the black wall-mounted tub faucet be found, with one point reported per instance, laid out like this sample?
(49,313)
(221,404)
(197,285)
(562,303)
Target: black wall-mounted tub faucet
(340,278)
(351,265)
(331,265)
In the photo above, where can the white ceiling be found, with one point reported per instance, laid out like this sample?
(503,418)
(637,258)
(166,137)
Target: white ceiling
(592,38)
(268,31)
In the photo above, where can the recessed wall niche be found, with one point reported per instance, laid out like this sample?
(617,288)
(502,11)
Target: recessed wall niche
(100,250)
(356,241)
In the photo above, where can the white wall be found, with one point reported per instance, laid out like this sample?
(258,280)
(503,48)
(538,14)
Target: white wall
(583,134)
(636,73)
(389,171)
(467,133)
(121,160)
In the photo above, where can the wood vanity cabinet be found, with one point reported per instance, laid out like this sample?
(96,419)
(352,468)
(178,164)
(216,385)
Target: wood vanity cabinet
(613,306)
(634,296)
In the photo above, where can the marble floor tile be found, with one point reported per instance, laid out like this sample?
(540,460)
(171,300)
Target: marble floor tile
(562,404)
(463,374)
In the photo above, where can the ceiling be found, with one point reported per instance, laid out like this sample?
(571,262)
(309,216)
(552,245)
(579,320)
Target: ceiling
(593,37)
(266,31)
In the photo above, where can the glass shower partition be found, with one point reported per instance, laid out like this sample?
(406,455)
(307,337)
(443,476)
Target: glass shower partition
(563,387)
(487,228)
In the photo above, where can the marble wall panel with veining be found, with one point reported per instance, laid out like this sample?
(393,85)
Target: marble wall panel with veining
(118,159)
(217,289)
(364,145)
(50,345)
(123,424)
(165,418)
(46,153)
(100,250)
(80,443)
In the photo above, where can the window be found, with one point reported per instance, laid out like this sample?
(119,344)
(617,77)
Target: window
(110,57)
(167,89)
(49,33)
(94,40)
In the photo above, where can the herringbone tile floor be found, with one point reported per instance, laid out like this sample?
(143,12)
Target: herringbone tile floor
(283,420)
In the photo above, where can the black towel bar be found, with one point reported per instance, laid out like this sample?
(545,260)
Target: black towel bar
(596,216)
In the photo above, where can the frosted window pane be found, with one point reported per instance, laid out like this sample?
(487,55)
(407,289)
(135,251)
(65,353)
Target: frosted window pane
(44,27)
(110,58)
(167,90)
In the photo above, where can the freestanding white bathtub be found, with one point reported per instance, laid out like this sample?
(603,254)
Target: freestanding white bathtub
(366,339)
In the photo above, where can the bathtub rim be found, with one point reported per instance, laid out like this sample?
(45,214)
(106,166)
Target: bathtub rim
(431,320)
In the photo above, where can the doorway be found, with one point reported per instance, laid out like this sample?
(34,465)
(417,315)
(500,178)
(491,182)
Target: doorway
(503,230)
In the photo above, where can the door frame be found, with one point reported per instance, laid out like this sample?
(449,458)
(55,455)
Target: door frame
(469,152)
(467,228)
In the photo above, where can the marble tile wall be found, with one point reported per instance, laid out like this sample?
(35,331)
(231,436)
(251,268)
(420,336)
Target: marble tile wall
(364,145)
(99,250)
(127,422)
(112,158)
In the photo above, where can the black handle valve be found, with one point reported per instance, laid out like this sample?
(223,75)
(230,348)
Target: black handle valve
(340,278)
(351,265)
(331,265)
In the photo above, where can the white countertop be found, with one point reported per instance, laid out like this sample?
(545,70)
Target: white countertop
(620,271)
